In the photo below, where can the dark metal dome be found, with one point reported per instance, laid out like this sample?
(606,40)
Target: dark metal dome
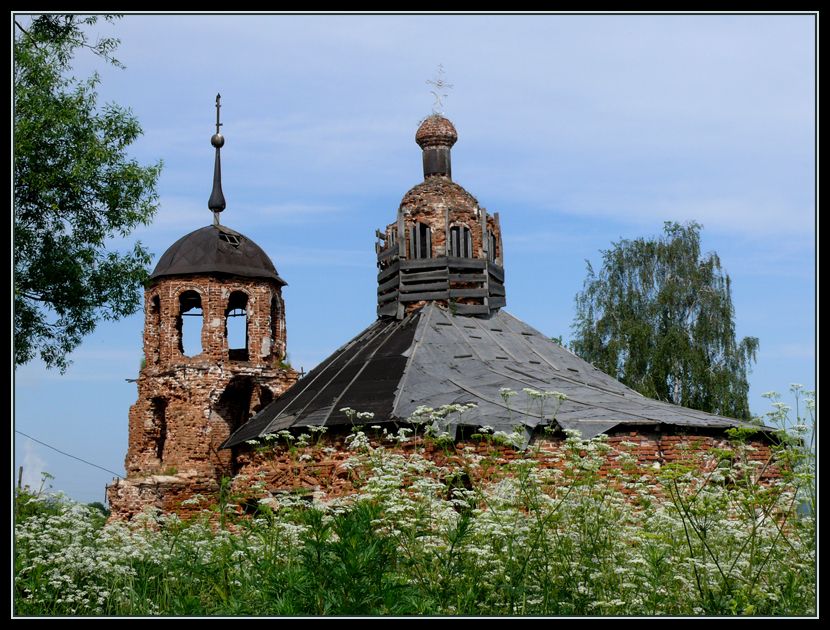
(216,249)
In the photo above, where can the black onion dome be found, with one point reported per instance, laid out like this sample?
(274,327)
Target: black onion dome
(216,249)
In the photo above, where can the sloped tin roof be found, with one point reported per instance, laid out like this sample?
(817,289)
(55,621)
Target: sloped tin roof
(435,358)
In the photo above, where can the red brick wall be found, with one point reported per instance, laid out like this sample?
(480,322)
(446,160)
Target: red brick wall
(426,203)
(321,468)
(162,336)
(313,469)
(188,406)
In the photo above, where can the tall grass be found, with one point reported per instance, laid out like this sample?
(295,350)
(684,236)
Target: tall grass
(415,540)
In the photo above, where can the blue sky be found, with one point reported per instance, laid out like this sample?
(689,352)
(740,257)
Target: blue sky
(579,130)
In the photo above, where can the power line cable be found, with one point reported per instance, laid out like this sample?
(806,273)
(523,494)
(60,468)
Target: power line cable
(68,454)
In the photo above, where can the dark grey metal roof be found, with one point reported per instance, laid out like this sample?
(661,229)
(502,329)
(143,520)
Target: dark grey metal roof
(216,249)
(434,358)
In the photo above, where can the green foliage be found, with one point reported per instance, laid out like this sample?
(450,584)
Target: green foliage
(75,189)
(712,538)
(29,501)
(659,318)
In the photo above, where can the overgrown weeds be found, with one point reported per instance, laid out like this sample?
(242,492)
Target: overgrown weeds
(418,538)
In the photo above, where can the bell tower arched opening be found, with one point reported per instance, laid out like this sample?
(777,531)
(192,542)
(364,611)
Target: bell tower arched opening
(189,323)
(236,326)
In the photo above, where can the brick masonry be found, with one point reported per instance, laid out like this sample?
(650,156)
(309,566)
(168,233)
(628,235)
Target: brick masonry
(431,201)
(286,470)
(188,405)
(321,470)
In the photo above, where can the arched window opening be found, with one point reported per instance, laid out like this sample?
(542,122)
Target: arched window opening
(492,246)
(155,330)
(236,326)
(159,407)
(420,241)
(189,324)
(461,242)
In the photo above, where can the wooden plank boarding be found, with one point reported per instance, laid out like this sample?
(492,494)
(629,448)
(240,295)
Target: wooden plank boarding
(499,247)
(401,236)
(414,288)
(496,271)
(471,309)
(385,254)
(466,263)
(388,310)
(388,271)
(496,289)
(438,274)
(458,293)
(389,284)
(430,295)
(382,299)
(446,230)
(435,263)
(467,277)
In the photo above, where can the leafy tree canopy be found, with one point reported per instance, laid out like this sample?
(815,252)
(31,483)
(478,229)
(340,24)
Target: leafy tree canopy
(659,318)
(75,189)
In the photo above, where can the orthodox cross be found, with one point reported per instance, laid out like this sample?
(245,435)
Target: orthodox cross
(439,84)
(218,105)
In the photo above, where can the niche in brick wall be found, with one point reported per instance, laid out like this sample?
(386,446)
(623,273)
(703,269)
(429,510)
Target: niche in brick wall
(159,407)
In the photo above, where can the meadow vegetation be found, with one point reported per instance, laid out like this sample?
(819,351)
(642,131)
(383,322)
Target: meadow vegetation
(417,540)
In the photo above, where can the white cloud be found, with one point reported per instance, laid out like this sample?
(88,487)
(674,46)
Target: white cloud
(33,465)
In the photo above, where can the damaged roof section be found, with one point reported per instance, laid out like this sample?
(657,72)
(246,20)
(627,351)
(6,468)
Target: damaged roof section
(433,358)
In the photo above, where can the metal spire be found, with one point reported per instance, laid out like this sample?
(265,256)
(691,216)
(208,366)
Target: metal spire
(216,203)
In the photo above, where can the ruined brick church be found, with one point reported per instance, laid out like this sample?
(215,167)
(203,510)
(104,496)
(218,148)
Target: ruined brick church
(441,337)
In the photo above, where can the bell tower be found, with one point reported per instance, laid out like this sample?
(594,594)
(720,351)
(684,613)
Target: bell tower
(214,354)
